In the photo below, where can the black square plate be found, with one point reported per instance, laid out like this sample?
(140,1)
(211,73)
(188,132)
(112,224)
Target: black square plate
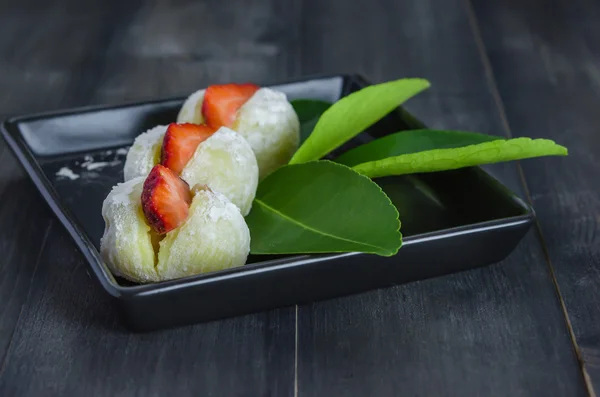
(75,157)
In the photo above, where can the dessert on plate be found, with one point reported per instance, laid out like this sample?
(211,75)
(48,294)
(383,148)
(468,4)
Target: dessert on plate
(157,228)
(221,159)
(263,116)
(188,185)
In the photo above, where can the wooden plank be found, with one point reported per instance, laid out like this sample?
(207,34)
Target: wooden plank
(34,77)
(67,340)
(20,206)
(547,73)
(492,331)
(220,44)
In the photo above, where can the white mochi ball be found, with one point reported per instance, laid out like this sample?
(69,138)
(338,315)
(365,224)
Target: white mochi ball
(128,244)
(191,110)
(267,121)
(144,153)
(271,127)
(214,237)
(226,163)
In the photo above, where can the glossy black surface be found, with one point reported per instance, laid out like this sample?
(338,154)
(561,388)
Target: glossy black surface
(463,216)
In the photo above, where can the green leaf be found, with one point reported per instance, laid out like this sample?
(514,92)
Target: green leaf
(417,151)
(412,141)
(322,207)
(353,114)
(308,111)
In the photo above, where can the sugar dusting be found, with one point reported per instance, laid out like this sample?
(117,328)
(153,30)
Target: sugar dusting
(140,158)
(91,165)
(227,164)
(220,207)
(268,105)
(224,238)
(83,168)
(120,193)
(126,245)
(66,172)
(190,110)
(148,139)
(271,127)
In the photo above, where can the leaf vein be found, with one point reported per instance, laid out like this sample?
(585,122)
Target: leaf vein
(294,221)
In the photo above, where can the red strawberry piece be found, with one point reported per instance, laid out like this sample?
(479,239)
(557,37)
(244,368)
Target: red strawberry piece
(221,103)
(166,199)
(180,143)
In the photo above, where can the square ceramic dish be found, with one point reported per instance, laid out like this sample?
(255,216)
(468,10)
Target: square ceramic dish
(74,158)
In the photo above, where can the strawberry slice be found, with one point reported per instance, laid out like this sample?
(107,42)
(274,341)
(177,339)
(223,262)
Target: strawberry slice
(166,199)
(180,143)
(221,103)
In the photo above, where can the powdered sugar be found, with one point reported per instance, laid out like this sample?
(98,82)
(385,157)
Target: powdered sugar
(66,172)
(126,245)
(191,111)
(214,237)
(220,208)
(226,163)
(141,156)
(120,193)
(83,169)
(267,106)
(147,139)
(91,165)
(271,127)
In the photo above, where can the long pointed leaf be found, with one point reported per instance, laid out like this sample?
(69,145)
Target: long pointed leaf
(353,114)
(309,111)
(412,141)
(429,151)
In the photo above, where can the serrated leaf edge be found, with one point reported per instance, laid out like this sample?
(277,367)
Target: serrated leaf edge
(397,215)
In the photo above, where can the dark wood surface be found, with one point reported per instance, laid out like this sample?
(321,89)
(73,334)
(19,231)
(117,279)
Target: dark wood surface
(554,61)
(527,326)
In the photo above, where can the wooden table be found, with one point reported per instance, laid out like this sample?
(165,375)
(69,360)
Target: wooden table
(528,326)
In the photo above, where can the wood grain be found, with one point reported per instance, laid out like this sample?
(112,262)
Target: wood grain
(477,333)
(492,331)
(547,72)
(67,340)
(33,77)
